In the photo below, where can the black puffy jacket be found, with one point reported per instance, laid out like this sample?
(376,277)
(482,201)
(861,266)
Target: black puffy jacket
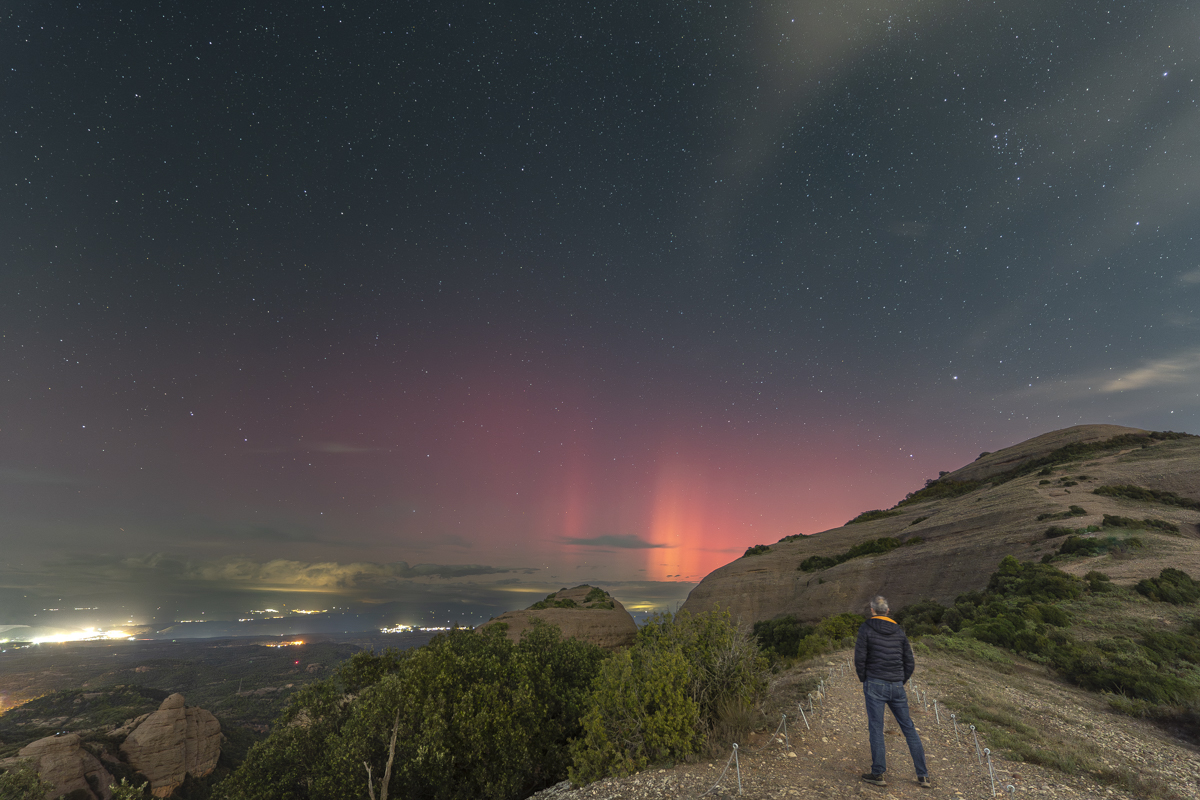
(882,652)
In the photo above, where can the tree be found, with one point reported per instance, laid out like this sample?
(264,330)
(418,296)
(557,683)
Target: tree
(469,715)
(22,782)
(127,791)
(660,700)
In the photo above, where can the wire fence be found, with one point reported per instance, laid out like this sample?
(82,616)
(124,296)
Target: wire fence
(816,702)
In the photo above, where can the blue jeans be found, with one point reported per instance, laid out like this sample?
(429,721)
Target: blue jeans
(879,694)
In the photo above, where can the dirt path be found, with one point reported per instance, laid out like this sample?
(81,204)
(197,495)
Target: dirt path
(827,759)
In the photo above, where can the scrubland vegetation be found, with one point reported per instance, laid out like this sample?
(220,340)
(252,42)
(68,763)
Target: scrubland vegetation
(472,715)
(1050,617)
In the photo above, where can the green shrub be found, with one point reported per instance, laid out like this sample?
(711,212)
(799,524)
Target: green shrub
(1115,521)
(128,791)
(918,519)
(756,550)
(1171,586)
(1098,582)
(1043,482)
(877,513)
(473,715)
(1087,546)
(814,563)
(1039,581)
(780,637)
(1142,494)
(21,782)
(873,547)
(661,699)
(1056,531)
(940,489)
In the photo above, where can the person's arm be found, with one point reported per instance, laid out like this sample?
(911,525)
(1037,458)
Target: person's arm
(909,663)
(860,653)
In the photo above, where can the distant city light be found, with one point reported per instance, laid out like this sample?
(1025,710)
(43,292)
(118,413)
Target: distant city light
(410,629)
(86,635)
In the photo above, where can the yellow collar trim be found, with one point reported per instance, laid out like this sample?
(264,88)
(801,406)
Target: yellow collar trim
(889,619)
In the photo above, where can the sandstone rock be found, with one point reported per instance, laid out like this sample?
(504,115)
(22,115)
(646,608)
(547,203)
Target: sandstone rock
(593,622)
(63,762)
(963,538)
(174,742)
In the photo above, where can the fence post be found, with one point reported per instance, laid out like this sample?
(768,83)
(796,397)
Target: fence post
(737,765)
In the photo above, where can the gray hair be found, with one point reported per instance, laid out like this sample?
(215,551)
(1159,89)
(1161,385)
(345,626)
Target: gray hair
(879,605)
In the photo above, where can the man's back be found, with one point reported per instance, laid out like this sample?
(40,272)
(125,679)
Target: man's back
(882,652)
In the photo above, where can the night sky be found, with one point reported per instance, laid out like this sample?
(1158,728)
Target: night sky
(451,305)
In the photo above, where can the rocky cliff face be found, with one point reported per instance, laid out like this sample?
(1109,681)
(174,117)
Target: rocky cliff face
(962,539)
(601,620)
(173,742)
(62,762)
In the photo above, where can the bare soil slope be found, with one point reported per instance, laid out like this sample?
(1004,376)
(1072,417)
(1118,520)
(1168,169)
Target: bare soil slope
(963,538)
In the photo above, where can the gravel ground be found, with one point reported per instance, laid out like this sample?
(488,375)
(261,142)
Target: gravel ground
(827,760)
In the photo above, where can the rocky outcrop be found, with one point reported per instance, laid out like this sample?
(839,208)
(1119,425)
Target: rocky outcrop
(955,543)
(62,762)
(585,613)
(172,743)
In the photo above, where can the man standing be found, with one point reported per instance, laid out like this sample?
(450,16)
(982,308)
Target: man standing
(883,660)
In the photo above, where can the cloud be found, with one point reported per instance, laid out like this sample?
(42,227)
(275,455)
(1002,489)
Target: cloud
(626,542)
(330,575)
(1180,369)
(1190,278)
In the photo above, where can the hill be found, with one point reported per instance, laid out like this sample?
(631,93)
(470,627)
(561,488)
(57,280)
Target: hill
(948,537)
(587,613)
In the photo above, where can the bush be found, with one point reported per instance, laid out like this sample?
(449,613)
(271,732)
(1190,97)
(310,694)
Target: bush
(921,618)
(128,791)
(1115,521)
(21,781)
(940,489)
(1171,586)
(1056,531)
(756,550)
(870,548)
(877,513)
(1129,492)
(1086,546)
(1098,582)
(661,699)
(473,715)
(1039,581)
(780,637)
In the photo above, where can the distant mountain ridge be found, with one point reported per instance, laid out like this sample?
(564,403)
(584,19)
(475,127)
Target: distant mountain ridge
(947,538)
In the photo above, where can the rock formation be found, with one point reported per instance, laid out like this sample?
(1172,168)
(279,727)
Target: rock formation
(173,742)
(601,620)
(963,538)
(62,762)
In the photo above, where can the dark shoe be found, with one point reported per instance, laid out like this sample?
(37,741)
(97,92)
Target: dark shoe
(875,779)
(923,782)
